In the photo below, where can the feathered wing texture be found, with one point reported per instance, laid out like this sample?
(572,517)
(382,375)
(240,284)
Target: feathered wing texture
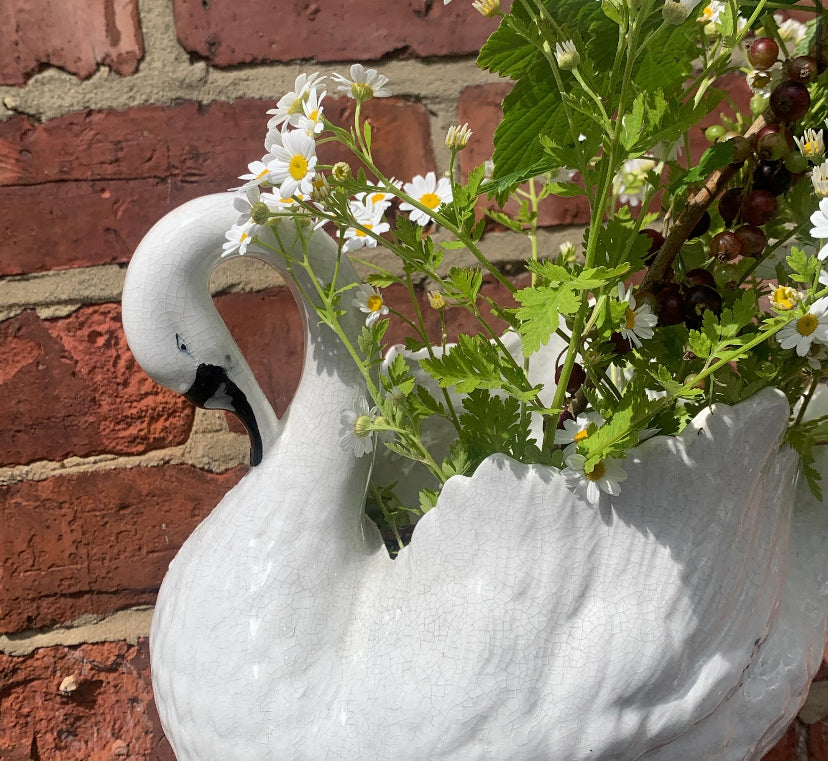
(520,622)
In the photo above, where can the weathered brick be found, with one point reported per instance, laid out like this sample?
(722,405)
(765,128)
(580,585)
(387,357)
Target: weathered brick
(77,37)
(480,106)
(96,542)
(71,387)
(785,749)
(818,741)
(227,33)
(111,709)
(84,188)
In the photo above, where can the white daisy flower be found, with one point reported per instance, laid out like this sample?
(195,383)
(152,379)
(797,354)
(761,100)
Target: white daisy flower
(819,220)
(377,197)
(783,297)
(630,184)
(363,84)
(764,81)
(575,431)
(819,179)
(293,163)
(790,30)
(239,238)
(311,117)
(638,321)
(567,55)
(256,175)
(429,192)
(711,13)
(605,477)
(243,202)
(812,326)
(811,145)
(355,434)
(369,301)
(289,109)
(272,138)
(369,217)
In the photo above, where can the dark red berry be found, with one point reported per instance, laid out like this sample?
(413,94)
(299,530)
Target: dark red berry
(700,276)
(725,245)
(701,227)
(753,240)
(576,377)
(772,176)
(697,300)
(729,205)
(620,344)
(670,305)
(790,101)
(759,207)
(801,69)
(763,53)
(656,242)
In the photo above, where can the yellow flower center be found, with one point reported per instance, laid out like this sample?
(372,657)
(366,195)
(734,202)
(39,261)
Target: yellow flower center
(298,166)
(784,298)
(244,237)
(598,472)
(629,319)
(362,426)
(262,173)
(806,324)
(361,234)
(377,197)
(580,436)
(314,115)
(708,12)
(432,200)
(374,303)
(362,91)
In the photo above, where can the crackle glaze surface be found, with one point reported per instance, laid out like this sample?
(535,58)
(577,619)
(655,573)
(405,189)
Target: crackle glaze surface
(679,620)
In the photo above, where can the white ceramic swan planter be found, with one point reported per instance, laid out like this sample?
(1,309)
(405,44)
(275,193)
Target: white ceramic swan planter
(677,621)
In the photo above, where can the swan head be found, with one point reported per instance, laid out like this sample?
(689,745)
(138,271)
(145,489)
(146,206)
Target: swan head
(172,326)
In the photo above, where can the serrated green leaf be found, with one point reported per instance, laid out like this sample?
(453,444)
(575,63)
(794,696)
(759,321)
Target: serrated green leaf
(632,122)
(539,313)
(700,344)
(715,157)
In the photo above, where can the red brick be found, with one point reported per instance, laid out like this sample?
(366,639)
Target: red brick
(268,330)
(818,741)
(480,106)
(785,749)
(229,33)
(111,707)
(77,37)
(84,188)
(71,387)
(96,542)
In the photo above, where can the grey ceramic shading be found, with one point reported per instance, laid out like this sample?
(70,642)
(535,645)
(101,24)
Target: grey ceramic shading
(678,620)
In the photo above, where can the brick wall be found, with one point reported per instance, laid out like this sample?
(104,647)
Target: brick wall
(111,114)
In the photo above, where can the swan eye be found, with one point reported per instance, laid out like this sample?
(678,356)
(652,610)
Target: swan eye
(179,342)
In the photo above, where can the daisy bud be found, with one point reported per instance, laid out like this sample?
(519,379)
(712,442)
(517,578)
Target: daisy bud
(567,55)
(260,213)
(487,7)
(341,171)
(674,13)
(458,137)
(362,426)
(436,300)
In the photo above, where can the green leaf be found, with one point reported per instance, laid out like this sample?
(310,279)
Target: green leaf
(464,284)
(539,313)
(673,387)
(632,122)
(471,363)
(804,268)
(715,157)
